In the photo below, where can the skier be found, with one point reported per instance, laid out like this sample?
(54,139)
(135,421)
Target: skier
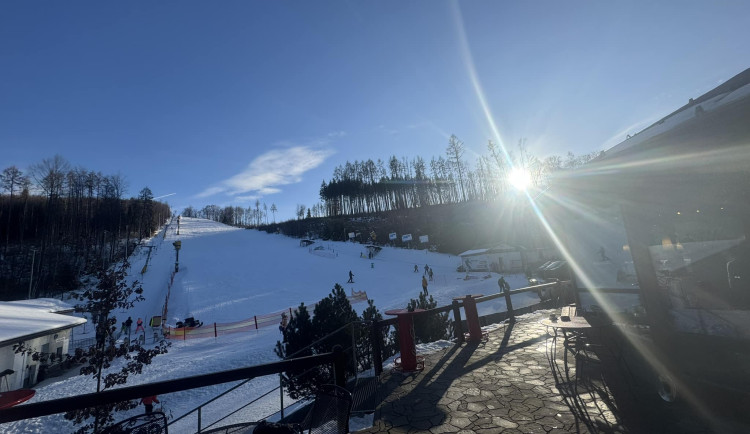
(426,269)
(430,273)
(124,328)
(148,402)
(416,268)
(351,277)
(139,326)
(424,285)
(129,323)
(504,286)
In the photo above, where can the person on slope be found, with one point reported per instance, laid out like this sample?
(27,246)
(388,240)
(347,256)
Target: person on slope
(284,322)
(424,285)
(148,402)
(139,326)
(351,277)
(504,286)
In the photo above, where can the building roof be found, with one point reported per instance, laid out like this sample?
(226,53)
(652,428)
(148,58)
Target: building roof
(474,252)
(52,305)
(735,89)
(503,248)
(21,321)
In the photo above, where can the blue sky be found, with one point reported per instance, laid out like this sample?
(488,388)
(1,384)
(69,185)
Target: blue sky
(225,102)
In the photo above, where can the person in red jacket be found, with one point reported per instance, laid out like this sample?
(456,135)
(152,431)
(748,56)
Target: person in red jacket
(148,402)
(139,326)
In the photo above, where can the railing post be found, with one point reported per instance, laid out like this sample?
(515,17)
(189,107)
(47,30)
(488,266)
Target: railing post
(339,366)
(376,338)
(472,317)
(281,395)
(215,334)
(509,304)
(458,329)
(354,349)
(199,419)
(256,321)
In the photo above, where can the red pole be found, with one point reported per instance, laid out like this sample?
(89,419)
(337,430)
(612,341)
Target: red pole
(472,318)
(406,338)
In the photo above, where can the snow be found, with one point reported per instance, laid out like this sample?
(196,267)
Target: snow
(19,320)
(47,304)
(474,252)
(228,274)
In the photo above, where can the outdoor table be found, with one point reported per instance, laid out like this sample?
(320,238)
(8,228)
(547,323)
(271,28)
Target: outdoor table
(409,362)
(571,331)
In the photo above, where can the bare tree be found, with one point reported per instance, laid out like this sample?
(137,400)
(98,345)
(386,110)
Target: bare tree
(50,175)
(273,210)
(11,179)
(455,151)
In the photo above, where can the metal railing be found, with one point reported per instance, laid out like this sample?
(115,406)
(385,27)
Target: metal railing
(352,358)
(337,358)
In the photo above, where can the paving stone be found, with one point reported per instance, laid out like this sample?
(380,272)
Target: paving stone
(493,388)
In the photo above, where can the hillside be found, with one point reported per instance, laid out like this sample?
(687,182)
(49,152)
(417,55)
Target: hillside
(451,228)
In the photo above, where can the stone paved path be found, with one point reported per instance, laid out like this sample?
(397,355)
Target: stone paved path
(506,384)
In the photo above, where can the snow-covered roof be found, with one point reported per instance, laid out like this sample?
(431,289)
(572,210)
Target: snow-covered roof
(474,252)
(503,248)
(52,305)
(735,89)
(21,322)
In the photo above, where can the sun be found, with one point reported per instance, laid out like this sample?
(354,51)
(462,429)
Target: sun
(520,179)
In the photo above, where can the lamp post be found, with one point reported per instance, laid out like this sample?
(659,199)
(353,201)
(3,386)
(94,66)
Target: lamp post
(177,244)
(31,278)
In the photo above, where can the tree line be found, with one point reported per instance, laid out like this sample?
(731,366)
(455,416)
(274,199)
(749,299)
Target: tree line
(376,186)
(234,215)
(59,223)
(365,187)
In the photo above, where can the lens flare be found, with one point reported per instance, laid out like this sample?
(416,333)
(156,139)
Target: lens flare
(520,179)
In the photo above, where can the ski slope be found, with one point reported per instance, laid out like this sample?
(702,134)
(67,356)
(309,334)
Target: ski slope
(229,274)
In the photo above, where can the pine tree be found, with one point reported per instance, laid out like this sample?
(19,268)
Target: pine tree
(429,327)
(330,315)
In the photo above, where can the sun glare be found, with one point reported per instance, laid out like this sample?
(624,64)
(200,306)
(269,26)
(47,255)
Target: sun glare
(520,179)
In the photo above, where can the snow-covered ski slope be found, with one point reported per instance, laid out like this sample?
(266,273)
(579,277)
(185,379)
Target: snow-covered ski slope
(228,274)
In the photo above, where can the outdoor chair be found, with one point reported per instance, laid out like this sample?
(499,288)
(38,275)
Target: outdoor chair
(330,411)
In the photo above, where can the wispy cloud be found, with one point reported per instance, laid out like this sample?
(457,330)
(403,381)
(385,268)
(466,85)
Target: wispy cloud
(269,171)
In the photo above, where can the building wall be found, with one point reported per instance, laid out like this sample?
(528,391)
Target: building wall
(26,369)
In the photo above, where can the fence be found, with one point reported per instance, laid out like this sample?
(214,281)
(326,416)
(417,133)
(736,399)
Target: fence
(253,323)
(336,358)
(358,361)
